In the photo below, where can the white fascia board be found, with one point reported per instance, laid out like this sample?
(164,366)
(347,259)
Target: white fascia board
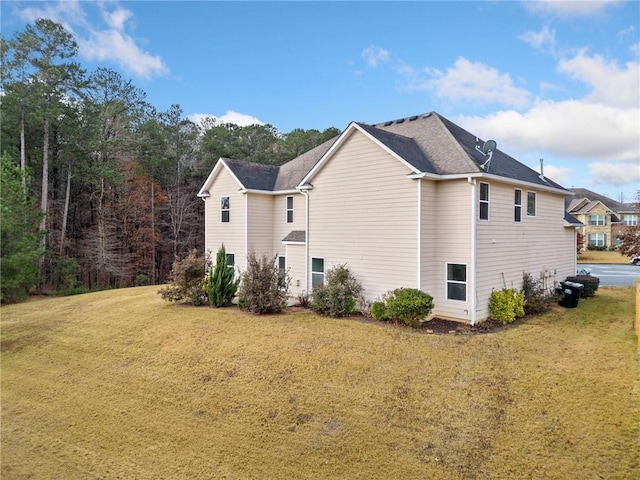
(343,137)
(293,243)
(220,164)
(511,181)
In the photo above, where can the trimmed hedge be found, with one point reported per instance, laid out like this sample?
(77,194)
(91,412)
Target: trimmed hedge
(506,305)
(409,306)
(590,283)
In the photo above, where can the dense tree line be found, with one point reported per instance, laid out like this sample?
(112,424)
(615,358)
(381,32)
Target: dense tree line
(106,184)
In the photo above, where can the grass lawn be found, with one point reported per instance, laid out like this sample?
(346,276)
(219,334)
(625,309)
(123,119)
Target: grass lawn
(119,384)
(594,256)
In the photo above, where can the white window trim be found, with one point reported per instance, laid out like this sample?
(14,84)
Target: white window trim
(481,201)
(517,205)
(599,236)
(447,281)
(324,268)
(597,220)
(535,204)
(225,209)
(233,255)
(289,209)
(630,220)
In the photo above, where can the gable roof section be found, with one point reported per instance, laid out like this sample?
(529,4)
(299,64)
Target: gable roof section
(220,164)
(428,145)
(589,196)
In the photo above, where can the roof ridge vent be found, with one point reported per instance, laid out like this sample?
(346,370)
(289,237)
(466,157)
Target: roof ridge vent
(400,120)
(415,117)
(386,124)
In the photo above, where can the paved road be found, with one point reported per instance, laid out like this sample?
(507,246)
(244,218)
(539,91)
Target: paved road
(613,275)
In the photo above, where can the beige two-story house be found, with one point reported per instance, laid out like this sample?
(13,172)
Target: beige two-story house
(603,219)
(416,202)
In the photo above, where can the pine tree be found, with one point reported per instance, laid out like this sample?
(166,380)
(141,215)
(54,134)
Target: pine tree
(221,283)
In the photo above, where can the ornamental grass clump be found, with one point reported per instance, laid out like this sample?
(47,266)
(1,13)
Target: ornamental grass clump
(506,305)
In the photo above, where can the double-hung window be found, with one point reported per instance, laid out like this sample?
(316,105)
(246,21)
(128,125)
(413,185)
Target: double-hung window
(231,260)
(224,209)
(596,220)
(457,281)
(597,239)
(517,205)
(317,272)
(290,209)
(630,220)
(531,204)
(484,201)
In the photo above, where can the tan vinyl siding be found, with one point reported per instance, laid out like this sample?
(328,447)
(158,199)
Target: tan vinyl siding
(295,268)
(363,212)
(453,245)
(280,226)
(539,245)
(260,225)
(429,236)
(232,234)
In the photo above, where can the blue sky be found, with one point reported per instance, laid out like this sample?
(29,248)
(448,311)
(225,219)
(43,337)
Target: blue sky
(552,80)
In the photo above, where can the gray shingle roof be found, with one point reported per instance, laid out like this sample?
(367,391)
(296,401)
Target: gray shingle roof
(296,236)
(582,193)
(428,142)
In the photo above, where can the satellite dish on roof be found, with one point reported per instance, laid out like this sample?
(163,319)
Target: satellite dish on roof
(489,146)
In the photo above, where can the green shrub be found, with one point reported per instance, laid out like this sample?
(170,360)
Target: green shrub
(590,283)
(379,311)
(142,279)
(506,305)
(596,248)
(337,297)
(187,281)
(536,298)
(409,306)
(221,282)
(263,288)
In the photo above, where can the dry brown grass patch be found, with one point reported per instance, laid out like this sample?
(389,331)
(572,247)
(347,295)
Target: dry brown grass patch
(594,256)
(121,385)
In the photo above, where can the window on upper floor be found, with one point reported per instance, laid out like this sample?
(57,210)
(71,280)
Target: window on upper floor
(484,201)
(630,220)
(531,204)
(290,209)
(517,205)
(457,281)
(224,209)
(596,219)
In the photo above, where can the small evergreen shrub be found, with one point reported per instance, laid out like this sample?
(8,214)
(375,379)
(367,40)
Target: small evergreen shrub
(409,306)
(597,248)
(590,283)
(506,305)
(221,282)
(379,311)
(337,297)
(536,298)
(187,281)
(263,288)
(142,279)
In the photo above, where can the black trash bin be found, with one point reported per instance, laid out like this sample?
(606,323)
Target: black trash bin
(570,294)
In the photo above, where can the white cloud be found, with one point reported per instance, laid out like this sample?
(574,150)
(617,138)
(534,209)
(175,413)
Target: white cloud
(569,8)
(466,81)
(614,173)
(374,55)
(569,128)
(559,175)
(544,37)
(611,84)
(112,43)
(239,119)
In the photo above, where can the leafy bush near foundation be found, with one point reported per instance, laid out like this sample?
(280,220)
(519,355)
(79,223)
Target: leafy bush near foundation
(506,305)
(339,295)
(409,306)
(536,298)
(263,288)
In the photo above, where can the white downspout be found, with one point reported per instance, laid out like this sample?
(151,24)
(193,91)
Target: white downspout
(246,230)
(419,234)
(306,237)
(472,273)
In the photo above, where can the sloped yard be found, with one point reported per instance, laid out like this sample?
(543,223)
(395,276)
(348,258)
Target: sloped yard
(122,385)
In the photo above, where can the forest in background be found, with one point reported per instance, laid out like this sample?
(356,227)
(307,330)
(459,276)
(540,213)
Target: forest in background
(98,187)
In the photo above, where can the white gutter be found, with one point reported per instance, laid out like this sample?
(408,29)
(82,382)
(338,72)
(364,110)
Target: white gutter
(246,231)
(472,273)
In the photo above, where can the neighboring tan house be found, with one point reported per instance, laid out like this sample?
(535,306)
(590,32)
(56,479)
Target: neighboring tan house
(603,219)
(408,203)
